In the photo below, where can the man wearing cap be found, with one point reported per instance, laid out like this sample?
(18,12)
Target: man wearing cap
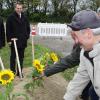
(69,61)
(2,33)
(90,55)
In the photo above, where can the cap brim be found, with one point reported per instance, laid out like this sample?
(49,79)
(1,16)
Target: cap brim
(76,27)
(73,27)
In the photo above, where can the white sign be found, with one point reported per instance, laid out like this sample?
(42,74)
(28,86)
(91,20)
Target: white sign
(51,29)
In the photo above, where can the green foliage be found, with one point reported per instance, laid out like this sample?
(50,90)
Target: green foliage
(5,94)
(40,50)
(2,96)
(36,2)
(42,58)
(69,73)
(62,10)
(14,96)
(31,86)
(61,17)
(38,17)
(5,12)
(34,17)
(35,73)
(4,53)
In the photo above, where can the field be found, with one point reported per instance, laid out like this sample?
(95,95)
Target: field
(54,85)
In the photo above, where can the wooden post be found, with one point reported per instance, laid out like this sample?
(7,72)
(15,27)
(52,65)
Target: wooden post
(2,66)
(17,57)
(32,47)
(33,33)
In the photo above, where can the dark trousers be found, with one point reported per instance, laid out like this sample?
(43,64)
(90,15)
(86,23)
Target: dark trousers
(93,94)
(13,58)
(89,92)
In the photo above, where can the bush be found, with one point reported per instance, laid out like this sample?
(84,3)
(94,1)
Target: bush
(34,17)
(37,17)
(62,16)
(6,12)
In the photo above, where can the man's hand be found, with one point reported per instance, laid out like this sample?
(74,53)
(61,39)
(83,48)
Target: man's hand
(39,77)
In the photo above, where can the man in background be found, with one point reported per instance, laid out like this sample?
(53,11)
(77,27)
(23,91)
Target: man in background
(17,26)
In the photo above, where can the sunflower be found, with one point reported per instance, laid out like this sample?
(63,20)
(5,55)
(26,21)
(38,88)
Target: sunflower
(40,68)
(36,63)
(54,57)
(6,76)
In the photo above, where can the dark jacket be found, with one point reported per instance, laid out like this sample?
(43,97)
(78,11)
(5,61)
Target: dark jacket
(2,33)
(19,28)
(69,61)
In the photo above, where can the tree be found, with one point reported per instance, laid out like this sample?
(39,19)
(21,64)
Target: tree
(74,5)
(95,4)
(1,4)
(44,4)
(35,4)
(55,4)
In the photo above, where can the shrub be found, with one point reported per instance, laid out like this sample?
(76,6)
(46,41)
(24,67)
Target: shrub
(6,12)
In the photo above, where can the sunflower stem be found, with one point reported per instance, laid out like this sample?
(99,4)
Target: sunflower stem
(9,97)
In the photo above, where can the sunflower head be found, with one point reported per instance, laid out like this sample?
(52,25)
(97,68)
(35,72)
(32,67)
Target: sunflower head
(40,68)
(54,57)
(6,76)
(36,63)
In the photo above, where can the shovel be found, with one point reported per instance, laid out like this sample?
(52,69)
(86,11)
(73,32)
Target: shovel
(17,57)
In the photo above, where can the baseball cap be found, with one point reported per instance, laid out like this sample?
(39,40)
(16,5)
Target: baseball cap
(85,19)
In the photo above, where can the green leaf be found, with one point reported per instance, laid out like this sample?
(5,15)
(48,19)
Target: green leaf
(14,96)
(2,96)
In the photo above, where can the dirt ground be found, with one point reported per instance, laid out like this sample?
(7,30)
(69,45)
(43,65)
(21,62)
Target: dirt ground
(54,87)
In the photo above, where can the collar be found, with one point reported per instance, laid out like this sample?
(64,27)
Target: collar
(96,50)
(15,13)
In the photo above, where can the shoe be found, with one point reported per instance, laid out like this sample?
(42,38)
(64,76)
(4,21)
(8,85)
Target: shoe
(19,75)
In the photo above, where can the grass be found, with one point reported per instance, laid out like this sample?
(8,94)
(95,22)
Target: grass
(5,55)
(39,50)
(69,73)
